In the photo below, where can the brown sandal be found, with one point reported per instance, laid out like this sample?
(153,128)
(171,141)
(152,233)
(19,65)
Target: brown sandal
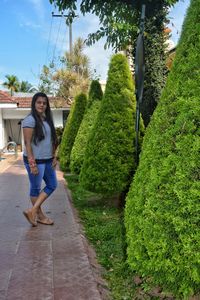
(29,217)
(46,221)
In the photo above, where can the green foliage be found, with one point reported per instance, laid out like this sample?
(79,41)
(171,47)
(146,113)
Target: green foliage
(104,228)
(155,59)
(162,210)
(119,24)
(109,157)
(59,133)
(12,83)
(95,92)
(45,78)
(79,147)
(25,86)
(71,129)
(76,60)
(118,19)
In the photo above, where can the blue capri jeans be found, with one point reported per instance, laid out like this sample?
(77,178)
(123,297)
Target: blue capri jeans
(46,173)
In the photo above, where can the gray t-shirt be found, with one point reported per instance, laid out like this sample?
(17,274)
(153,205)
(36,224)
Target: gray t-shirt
(43,149)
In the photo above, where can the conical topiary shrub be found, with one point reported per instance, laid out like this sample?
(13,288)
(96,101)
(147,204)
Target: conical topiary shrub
(109,157)
(163,204)
(71,128)
(78,150)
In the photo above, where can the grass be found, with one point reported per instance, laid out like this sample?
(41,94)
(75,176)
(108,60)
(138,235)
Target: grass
(104,228)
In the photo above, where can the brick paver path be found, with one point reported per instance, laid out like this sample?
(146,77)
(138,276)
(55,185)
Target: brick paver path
(43,262)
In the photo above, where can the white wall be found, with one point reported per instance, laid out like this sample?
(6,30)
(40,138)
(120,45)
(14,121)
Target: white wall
(58,118)
(13,130)
(1,130)
(22,113)
(13,115)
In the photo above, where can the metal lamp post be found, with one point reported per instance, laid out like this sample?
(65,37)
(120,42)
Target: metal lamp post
(139,78)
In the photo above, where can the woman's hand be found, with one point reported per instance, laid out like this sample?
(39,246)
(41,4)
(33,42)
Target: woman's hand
(34,170)
(54,162)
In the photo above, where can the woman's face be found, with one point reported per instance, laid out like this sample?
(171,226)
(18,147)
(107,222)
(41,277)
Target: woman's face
(41,105)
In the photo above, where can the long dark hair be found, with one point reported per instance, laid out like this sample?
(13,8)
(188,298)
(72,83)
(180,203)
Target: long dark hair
(38,133)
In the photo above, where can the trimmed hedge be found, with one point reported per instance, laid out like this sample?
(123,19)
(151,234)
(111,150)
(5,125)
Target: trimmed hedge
(71,128)
(95,92)
(110,156)
(163,205)
(79,147)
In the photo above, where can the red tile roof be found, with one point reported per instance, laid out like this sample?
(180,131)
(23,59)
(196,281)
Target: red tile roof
(6,98)
(25,102)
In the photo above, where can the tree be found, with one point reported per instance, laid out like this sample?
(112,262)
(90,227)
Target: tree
(46,82)
(119,23)
(69,83)
(109,156)
(73,77)
(77,61)
(80,144)
(71,128)
(155,57)
(12,83)
(25,86)
(162,210)
(69,80)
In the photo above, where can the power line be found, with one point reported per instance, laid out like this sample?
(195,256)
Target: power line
(49,41)
(56,39)
(69,16)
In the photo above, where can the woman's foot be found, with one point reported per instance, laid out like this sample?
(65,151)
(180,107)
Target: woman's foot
(45,221)
(42,218)
(30,216)
(40,213)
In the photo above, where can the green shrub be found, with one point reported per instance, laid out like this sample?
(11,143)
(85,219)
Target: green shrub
(78,150)
(71,128)
(109,157)
(95,92)
(59,133)
(163,207)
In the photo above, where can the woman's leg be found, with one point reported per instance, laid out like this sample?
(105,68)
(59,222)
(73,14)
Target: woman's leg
(51,184)
(35,188)
(41,214)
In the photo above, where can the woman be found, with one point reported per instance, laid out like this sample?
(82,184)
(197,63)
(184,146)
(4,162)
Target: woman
(40,145)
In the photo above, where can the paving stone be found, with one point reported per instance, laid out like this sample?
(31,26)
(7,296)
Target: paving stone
(43,262)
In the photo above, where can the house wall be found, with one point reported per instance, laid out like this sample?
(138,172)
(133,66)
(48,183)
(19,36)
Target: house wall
(13,130)
(10,117)
(1,130)
(15,113)
(58,118)
(21,114)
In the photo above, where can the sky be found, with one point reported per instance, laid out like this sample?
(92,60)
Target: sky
(30,38)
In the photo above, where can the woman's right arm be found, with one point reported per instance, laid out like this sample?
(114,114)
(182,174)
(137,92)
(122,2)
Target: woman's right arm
(28,134)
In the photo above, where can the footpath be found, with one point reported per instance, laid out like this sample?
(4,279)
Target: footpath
(43,262)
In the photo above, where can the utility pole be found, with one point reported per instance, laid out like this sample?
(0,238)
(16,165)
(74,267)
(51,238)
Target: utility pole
(69,16)
(139,77)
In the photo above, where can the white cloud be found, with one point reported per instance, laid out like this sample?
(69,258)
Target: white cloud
(38,6)
(35,20)
(30,24)
(99,58)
